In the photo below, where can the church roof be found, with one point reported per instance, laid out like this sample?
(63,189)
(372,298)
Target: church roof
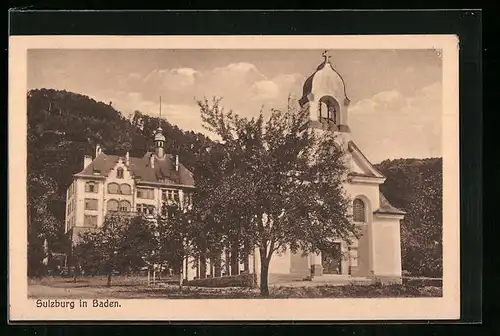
(388,208)
(163,171)
(308,84)
(372,171)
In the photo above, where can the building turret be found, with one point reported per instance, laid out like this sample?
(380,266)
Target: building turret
(159,143)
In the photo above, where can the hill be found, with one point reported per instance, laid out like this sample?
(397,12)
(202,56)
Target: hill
(416,185)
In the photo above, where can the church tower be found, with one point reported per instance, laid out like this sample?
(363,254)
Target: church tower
(324,95)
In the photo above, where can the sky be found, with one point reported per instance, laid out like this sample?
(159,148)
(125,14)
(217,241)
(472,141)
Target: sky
(396,95)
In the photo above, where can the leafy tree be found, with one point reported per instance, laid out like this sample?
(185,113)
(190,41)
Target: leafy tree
(415,185)
(280,184)
(173,232)
(138,244)
(41,222)
(105,244)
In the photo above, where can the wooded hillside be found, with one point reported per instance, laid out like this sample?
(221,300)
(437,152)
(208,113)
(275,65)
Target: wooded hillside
(416,185)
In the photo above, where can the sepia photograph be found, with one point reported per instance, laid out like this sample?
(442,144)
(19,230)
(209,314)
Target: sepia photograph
(182,173)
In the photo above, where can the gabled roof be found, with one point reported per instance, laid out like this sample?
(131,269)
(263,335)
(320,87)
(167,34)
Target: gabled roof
(163,171)
(369,168)
(388,208)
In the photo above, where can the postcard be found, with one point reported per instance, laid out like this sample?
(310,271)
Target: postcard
(214,178)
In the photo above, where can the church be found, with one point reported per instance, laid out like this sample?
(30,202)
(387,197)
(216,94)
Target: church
(376,255)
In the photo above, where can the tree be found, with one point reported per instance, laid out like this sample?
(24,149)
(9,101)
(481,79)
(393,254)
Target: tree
(415,185)
(173,232)
(280,184)
(41,222)
(104,245)
(138,244)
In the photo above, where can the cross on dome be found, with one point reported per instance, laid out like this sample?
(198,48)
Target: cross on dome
(326,56)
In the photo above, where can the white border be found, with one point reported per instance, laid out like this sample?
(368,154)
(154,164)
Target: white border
(447,307)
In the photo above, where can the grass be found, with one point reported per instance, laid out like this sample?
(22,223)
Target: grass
(89,281)
(135,287)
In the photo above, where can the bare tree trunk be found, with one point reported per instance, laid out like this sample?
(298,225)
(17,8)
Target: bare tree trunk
(218,268)
(227,263)
(246,264)
(254,269)
(203,266)
(264,273)
(181,278)
(235,263)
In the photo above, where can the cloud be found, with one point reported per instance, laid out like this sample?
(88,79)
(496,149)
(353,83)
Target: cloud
(391,125)
(237,68)
(264,90)
(172,79)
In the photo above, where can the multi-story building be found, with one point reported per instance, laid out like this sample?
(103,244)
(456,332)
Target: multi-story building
(129,185)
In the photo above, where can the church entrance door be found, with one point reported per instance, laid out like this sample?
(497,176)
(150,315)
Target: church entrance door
(331,260)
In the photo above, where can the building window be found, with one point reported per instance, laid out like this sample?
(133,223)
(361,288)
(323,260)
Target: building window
(125,206)
(112,205)
(91,187)
(359,211)
(119,173)
(146,209)
(90,204)
(171,195)
(145,193)
(90,221)
(353,252)
(328,109)
(125,189)
(113,188)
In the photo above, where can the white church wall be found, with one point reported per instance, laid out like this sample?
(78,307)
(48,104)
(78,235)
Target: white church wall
(366,191)
(300,264)
(363,253)
(280,263)
(387,249)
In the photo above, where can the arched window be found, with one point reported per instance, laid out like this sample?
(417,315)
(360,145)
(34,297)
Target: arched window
(125,206)
(358,209)
(328,109)
(125,189)
(119,173)
(112,205)
(113,188)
